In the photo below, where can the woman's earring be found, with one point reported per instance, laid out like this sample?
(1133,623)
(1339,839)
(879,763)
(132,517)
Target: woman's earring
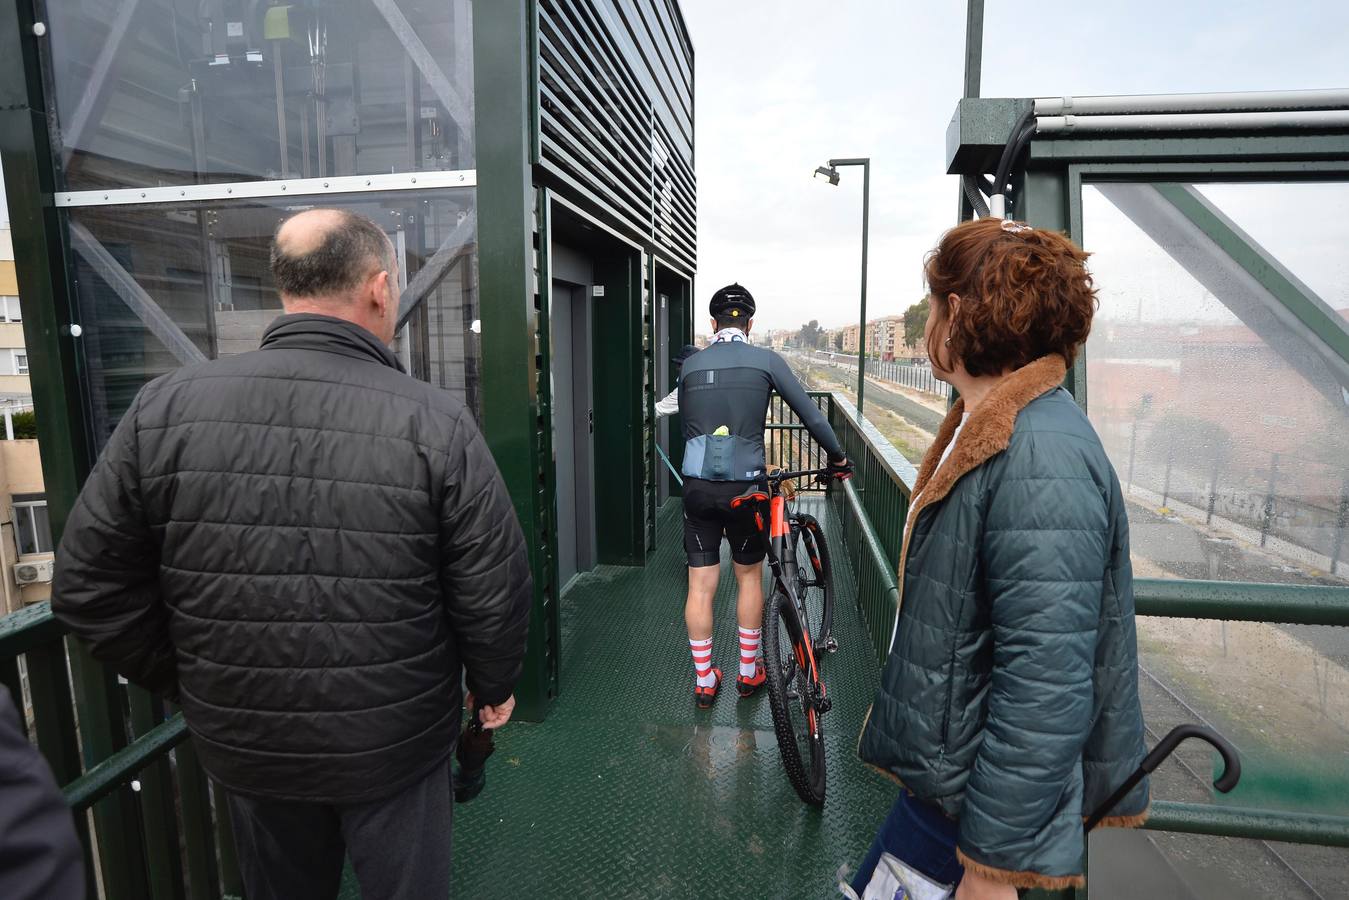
(946,343)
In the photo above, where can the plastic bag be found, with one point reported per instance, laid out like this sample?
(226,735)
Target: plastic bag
(893,880)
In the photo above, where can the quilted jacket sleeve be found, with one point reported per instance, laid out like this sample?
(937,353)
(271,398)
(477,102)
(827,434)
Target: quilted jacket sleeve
(106,588)
(485,574)
(1044,553)
(787,384)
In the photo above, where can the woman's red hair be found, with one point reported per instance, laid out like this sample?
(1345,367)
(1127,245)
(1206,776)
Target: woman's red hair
(1024,293)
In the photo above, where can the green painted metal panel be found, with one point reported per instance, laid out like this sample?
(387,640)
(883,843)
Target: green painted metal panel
(231,882)
(98,709)
(162,862)
(551,623)
(53,714)
(195,809)
(510,350)
(618,392)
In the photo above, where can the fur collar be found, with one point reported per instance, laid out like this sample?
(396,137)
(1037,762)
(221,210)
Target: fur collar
(987,433)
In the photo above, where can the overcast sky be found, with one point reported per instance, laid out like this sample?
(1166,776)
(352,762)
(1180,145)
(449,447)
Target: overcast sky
(782,85)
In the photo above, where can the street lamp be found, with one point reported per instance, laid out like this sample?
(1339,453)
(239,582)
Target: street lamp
(830,172)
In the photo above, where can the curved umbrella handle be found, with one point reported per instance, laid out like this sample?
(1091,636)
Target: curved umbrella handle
(1165,747)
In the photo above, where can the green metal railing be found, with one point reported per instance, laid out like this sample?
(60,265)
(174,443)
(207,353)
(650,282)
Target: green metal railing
(167,840)
(787,443)
(873,507)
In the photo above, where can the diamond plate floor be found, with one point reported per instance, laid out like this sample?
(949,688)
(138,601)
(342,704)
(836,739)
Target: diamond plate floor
(628,791)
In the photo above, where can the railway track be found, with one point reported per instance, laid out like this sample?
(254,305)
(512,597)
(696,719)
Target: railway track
(1183,777)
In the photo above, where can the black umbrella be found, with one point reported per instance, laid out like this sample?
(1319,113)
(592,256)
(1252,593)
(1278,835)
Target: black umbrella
(475,745)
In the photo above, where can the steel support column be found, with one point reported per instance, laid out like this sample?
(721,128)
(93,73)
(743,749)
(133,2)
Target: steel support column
(506,205)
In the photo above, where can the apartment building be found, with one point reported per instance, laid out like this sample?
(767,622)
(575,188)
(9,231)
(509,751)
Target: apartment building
(885,336)
(25,531)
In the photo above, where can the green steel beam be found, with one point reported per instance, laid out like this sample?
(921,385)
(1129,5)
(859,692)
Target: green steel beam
(974,47)
(1299,299)
(506,206)
(1255,824)
(1251,150)
(1286,604)
(40,258)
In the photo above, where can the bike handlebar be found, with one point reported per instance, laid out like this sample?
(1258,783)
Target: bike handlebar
(790,476)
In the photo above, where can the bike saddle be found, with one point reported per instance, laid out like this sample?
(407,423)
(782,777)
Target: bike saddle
(753,495)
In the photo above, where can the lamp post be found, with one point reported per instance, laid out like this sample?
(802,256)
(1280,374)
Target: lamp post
(830,172)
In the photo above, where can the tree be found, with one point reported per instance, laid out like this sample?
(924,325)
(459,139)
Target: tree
(25,424)
(915,321)
(810,335)
(838,341)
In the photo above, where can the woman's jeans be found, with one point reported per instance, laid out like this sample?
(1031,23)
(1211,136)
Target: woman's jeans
(918,835)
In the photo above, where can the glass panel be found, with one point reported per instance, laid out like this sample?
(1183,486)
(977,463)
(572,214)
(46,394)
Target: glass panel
(1280,693)
(152,92)
(166,284)
(1297,224)
(1225,417)
(32,529)
(1097,49)
(1130,864)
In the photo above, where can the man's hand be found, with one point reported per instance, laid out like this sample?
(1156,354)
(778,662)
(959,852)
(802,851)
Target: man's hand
(494,716)
(842,470)
(976,887)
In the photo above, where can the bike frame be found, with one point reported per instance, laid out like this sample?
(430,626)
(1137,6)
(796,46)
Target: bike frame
(782,559)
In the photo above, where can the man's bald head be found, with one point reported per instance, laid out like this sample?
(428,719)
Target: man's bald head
(327,255)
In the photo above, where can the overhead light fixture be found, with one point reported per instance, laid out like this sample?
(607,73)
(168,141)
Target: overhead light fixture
(828,172)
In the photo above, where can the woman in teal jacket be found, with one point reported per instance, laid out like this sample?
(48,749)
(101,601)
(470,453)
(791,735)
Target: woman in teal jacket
(1008,707)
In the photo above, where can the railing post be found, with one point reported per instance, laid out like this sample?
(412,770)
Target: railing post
(1213,489)
(1267,519)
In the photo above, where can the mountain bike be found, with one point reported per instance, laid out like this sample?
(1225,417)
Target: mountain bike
(798,557)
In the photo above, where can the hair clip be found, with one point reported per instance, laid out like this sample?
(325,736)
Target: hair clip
(1015,227)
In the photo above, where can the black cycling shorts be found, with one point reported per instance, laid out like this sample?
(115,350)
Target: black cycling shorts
(708,517)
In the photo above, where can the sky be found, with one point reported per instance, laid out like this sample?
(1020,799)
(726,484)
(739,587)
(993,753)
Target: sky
(783,85)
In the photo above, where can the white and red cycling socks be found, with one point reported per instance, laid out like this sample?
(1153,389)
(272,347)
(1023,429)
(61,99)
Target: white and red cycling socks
(702,661)
(749,650)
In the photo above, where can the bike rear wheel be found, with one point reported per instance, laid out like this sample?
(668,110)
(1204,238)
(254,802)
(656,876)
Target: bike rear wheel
(795,692)
(814,584)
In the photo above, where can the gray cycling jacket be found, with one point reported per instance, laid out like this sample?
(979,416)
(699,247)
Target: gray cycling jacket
(723,401)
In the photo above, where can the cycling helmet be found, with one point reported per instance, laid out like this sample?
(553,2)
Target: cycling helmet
(732,301)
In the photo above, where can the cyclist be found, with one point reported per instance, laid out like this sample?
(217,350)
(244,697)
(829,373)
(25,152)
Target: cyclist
(723,400)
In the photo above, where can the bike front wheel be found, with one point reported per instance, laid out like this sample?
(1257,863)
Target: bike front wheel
(795,697)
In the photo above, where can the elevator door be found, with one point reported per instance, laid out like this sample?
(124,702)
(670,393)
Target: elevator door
(573,430)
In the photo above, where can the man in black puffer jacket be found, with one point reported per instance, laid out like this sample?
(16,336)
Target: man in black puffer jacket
(309,550)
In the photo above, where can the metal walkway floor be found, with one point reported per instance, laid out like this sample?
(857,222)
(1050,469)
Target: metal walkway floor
(628,791)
